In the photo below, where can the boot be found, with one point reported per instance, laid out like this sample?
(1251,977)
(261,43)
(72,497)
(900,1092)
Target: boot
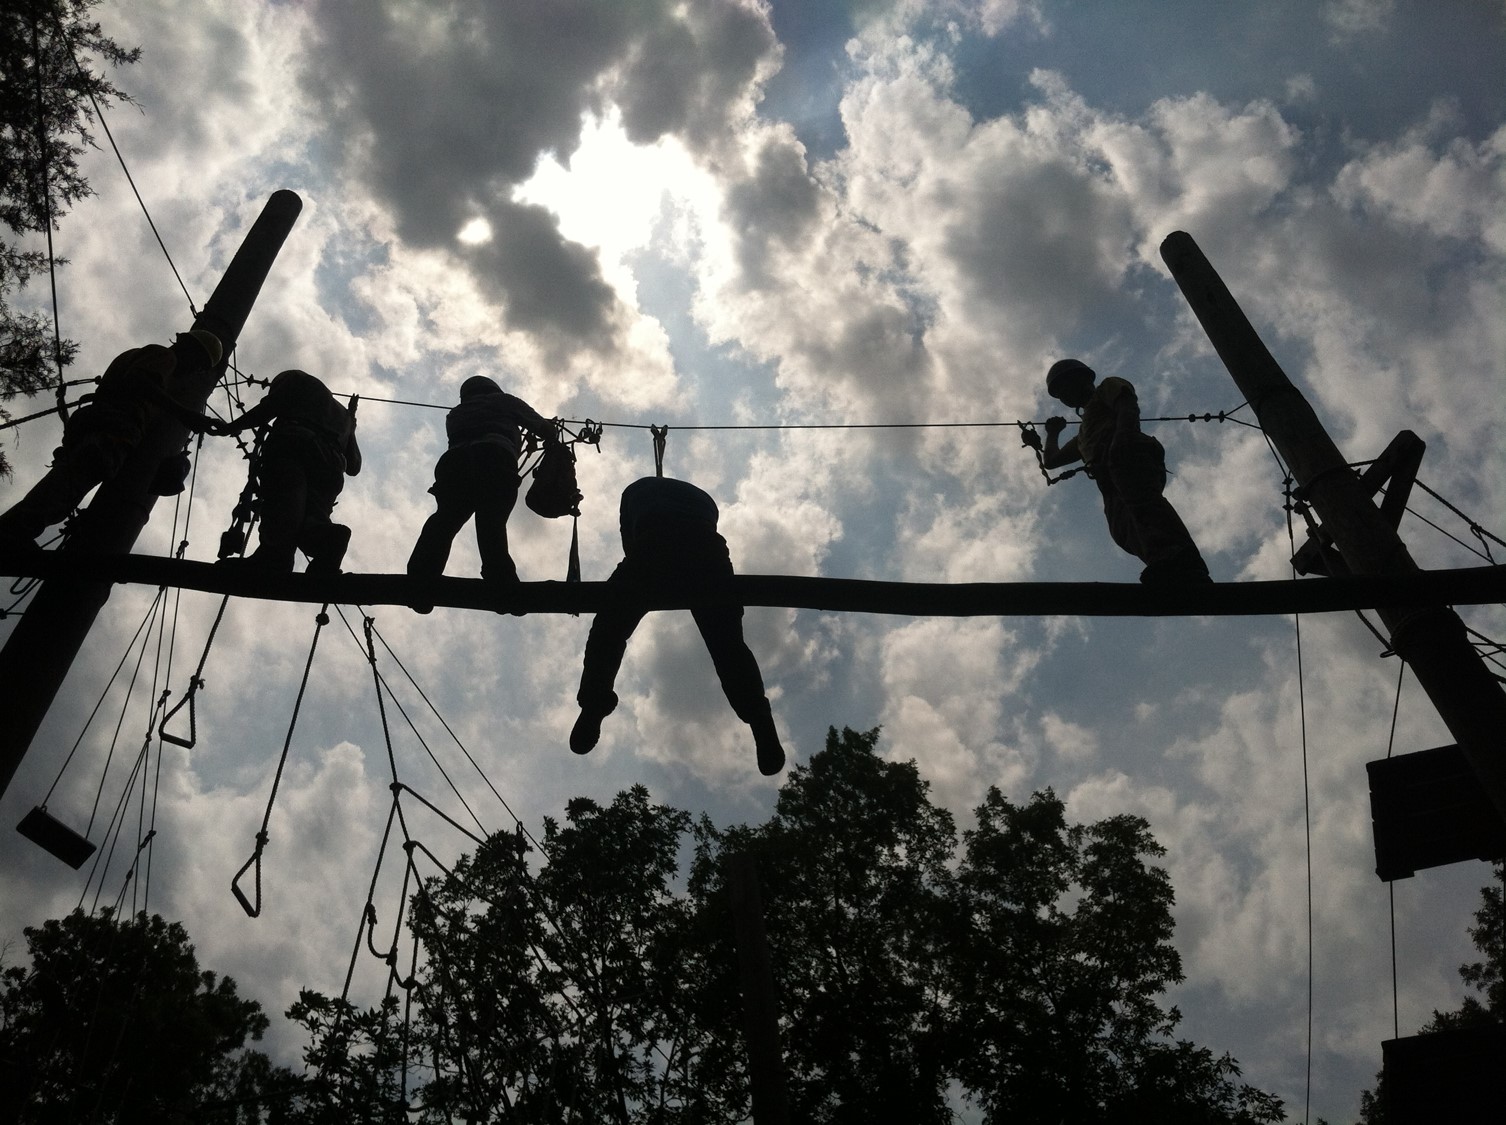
(328,548)
(766,741)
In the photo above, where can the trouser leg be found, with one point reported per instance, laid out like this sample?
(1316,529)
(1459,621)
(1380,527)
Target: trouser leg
(284,496)
(605,646)
(497,495)
(77,466)
(453,506)
(1141,520)
(320,538)
(736,667)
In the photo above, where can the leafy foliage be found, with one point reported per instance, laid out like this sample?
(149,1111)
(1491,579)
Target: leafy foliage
(1023,973)
(47,111)
(114,1021)
(1484,976)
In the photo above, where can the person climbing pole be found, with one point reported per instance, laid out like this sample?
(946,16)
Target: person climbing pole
(1129,467)
(309,449)
(135,390)
(670,540)
(478,476)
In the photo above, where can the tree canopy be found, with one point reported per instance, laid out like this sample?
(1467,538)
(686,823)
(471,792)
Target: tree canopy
(1020,967)
(114,1021)
(48,98)
(1486,976)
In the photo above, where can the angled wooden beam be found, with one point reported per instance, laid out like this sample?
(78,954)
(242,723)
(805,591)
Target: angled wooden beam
(1430,638)
(36,657)
(1471,586)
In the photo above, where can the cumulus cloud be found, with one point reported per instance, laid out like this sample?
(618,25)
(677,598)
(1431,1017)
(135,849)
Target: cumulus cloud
(441,115)
(661,250)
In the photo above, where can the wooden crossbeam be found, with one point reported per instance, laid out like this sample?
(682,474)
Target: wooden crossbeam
(1470,586)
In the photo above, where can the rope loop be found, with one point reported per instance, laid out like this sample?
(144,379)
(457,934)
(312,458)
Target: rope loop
(194,684)
(252,910)
(261,835)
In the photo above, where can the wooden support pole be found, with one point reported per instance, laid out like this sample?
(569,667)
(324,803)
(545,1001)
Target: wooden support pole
(37,655)
(1430,638)
(1481,585)
(766,1073)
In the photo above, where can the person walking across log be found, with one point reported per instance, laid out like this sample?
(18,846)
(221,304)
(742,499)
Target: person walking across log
(310,449)
(1129,467)
(134,391)
(478,476)
(670,541)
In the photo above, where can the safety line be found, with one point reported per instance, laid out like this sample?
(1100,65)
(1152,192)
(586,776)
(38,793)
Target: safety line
(1391,883)
(105,125)
(100,702)
(1307,823)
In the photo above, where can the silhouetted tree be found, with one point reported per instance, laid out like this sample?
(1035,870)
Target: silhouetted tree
(114,1021)
(1024,974)
(1486,976)
(356,1064)
(855,888)
(46,114)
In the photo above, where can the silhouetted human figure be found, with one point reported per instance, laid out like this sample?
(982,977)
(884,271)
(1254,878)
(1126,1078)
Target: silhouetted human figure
(478,476)
(101,433)
(1129,467)
(669,539)
(309,450)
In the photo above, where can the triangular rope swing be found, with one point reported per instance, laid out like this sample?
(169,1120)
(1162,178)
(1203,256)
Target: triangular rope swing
(253,908)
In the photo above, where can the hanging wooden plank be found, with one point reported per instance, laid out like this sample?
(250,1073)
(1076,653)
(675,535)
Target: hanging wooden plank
(1470,586)
(1427,810)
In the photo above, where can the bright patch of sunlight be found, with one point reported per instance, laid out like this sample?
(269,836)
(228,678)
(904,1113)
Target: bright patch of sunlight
(614,192)
(475,232)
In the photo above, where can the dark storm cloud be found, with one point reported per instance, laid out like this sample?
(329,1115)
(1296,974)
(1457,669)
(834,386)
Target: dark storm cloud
(777,204)
(443,111)
(684,75)
(550,285)
(1044,240)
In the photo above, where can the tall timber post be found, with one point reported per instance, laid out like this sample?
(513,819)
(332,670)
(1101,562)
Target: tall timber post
(1431,639)
(47,638)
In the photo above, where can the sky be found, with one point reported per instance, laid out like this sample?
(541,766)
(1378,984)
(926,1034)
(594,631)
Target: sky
(730,213)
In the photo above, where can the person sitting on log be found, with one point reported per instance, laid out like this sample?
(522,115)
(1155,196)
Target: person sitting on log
(98,437)
(309,450)
(478,476)
(1129,467)
(670,542)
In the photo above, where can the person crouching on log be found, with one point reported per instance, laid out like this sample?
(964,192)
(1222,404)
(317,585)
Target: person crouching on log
(98,437)
(1129,467)
(309,450)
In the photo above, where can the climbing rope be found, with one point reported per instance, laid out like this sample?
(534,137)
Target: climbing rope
(254,909)
(1307,824)
(195,682)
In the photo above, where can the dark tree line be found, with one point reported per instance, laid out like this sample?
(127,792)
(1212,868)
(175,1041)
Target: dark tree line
(114,1021)
(1021,966)
(46,116)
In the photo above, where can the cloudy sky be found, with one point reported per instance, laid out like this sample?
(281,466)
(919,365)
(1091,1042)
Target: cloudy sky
(733,213)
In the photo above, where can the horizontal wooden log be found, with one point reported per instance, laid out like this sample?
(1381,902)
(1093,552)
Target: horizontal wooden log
(1471,586)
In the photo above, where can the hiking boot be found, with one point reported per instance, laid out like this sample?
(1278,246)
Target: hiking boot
(1186,569)
(329,549)
(766,741)
(586,732)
